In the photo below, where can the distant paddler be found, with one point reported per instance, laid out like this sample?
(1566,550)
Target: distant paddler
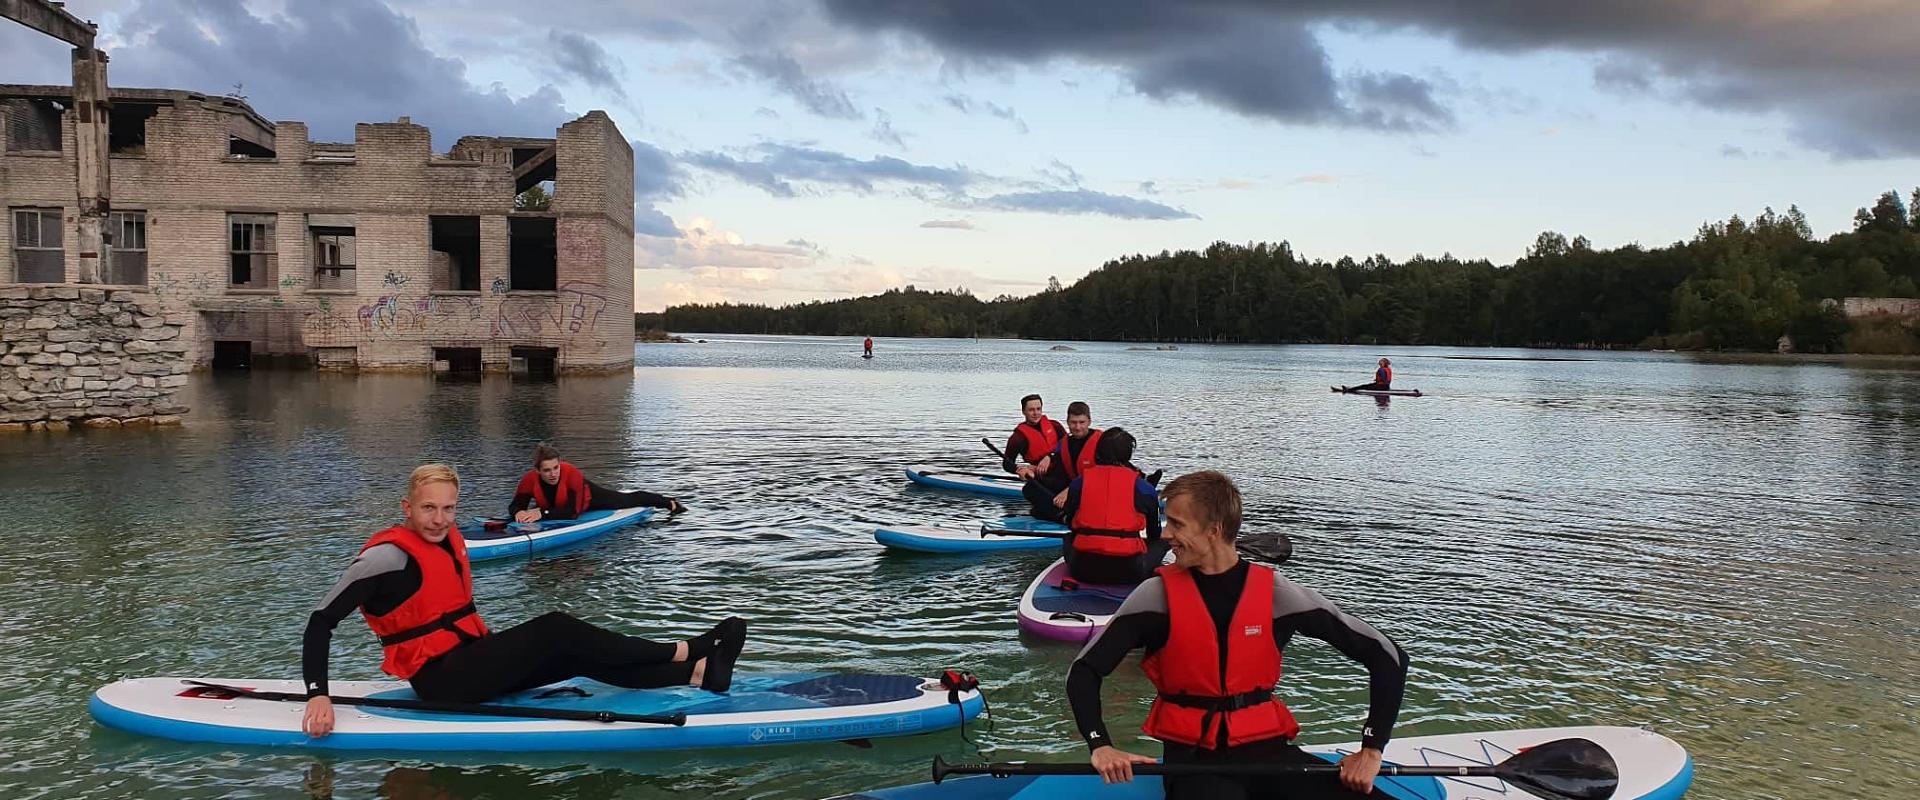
(1382,380)
(869,348)
(555,489)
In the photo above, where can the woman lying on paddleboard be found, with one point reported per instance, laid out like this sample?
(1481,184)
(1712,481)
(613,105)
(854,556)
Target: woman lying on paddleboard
(555,489)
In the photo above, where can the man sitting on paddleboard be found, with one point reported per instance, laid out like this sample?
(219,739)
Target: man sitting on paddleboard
(1213,627)
(1382,380)
(413,584)
(1108,505)
(1046,492)
(555,489)
(1033,439)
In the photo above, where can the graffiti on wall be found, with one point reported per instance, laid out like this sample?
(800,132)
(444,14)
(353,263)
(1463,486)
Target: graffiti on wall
(572,312)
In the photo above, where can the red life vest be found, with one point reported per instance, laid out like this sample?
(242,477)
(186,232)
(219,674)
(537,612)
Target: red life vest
(1040,444)
(1106,523)
(1187,670)
(1383,376)
(572,490)
(1075,466)
(438,617)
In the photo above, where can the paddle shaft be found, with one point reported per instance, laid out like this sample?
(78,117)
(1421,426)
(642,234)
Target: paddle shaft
(478,709)
(1228,770)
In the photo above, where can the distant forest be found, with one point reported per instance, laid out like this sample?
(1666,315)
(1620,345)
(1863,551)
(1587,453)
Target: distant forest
(1737,285)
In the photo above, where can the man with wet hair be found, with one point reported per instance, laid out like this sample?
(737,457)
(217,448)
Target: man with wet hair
(1213,627)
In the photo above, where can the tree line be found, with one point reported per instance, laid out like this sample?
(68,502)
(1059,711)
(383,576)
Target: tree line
(1738,284)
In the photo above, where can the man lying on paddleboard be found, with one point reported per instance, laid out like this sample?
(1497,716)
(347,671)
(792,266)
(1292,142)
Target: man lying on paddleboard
(555,489)
(414,586)
(1213,627)
(1382,380)
(1109,505)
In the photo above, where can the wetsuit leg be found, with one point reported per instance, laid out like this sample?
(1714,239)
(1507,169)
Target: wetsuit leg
(601,498)
(1369,387)
(1272,751)
(548,648)
(1040,498)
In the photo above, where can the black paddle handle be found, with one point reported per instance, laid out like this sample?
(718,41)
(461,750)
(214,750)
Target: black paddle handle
(676,719)
(990,446)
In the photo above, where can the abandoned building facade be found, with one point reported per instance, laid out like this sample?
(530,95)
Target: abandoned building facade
(379,254)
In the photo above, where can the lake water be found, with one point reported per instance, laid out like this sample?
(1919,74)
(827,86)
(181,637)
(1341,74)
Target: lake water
(1722,549)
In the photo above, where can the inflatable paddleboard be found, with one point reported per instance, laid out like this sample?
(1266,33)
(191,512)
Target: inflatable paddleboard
(1006,486)
(1057,607)
(997,535)
(522,539)
(1652,767)
(761,709)
(1380,392)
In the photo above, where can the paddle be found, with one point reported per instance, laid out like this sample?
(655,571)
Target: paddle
(677,718)
(1564,769)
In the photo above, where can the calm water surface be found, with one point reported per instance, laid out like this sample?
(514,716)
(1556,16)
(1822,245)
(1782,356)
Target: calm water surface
(1724,550)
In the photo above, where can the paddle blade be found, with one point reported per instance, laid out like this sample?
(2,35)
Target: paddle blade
(1563,769)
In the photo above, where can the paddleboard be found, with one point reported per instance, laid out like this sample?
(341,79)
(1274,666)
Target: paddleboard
(1057,607)
(989,537)
(776,708)
(866,355)
(1380,392)
(1652,767)
(522,539)
(1006,486)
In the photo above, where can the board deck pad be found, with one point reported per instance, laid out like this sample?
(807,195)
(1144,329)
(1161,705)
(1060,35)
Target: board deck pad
(762,708)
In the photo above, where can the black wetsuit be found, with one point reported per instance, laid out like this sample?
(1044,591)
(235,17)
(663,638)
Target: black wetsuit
(599,498)
(545,649)
(1142,623)
(1095,568)
(1046,485)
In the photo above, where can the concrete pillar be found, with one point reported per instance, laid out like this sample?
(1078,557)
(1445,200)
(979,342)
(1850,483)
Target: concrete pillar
(91,102)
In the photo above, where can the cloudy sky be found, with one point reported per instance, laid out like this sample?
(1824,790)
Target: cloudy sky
(793,150)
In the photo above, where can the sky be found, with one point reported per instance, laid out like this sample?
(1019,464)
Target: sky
(796,150)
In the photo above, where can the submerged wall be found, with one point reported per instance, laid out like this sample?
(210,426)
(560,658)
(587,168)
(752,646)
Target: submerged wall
(72,355)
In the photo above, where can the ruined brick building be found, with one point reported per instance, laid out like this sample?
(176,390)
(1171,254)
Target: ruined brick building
(379,254)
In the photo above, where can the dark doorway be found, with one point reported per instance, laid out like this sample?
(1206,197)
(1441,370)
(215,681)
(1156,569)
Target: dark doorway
(460,360)
(540,361)
(233,355)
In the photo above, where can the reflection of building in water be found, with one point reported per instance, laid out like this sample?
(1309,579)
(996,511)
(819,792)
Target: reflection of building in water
(378,253)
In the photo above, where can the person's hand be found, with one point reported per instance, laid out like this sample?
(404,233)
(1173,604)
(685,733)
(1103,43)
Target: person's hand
(1046,463)
(1060,500)
(318,720)
(1358,769)
(1116,765)
(1024,472)
(529,515)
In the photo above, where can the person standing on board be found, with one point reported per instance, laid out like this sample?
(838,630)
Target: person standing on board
(1046,493)
(1382,380)
(555,489)
(414,586)
(1213,627)
(1109,504)
(869,347)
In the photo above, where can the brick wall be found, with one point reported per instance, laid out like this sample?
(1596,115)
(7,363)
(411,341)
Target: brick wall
(391,318)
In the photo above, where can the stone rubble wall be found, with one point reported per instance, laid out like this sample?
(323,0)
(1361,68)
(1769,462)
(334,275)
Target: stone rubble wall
(101,358)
